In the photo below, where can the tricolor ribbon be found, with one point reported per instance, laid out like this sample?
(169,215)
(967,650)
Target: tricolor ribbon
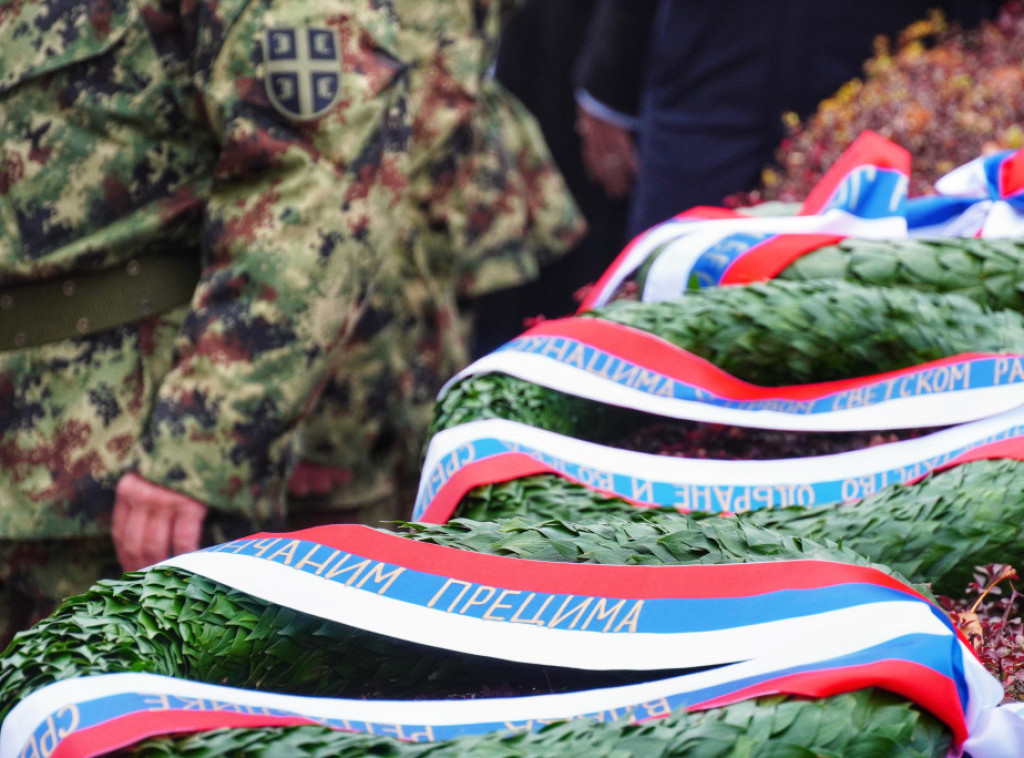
(983,198)
(479,453)
(622,366)
(806,628)
(863,195)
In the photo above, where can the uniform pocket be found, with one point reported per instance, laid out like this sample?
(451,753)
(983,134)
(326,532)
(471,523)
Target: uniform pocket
(94,136)
(44,37)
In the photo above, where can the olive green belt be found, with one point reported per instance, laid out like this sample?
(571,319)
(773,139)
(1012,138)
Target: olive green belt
(80,304)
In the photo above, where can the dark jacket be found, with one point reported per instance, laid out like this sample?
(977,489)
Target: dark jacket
(711,81)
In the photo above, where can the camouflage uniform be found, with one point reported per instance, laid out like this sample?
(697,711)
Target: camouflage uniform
(485,191)
(342,170)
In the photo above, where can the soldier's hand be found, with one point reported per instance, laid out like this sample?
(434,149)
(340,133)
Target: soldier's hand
(313,480)
(152,523)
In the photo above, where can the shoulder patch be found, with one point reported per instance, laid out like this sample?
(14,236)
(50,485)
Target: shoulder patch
(302,71)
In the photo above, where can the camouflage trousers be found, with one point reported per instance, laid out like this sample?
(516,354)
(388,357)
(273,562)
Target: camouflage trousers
(70,415)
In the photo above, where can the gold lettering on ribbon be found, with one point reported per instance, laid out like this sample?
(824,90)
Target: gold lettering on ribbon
(447,584)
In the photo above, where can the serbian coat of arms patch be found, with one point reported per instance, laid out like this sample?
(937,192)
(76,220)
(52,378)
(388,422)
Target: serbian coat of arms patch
(303,70)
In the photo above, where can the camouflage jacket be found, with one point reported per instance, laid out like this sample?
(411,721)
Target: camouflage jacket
(308,151)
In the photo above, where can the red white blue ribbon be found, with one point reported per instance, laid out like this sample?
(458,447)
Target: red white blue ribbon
(809,628)
(983,198)
(479,453)
(618,365)
(863,195)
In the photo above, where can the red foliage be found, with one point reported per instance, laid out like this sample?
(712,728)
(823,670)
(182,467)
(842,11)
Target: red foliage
(946,95)
(992,623)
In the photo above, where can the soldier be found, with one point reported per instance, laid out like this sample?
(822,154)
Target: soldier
(481,188)
(205,210)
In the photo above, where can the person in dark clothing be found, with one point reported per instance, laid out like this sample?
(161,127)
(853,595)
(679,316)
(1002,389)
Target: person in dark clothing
(710,82)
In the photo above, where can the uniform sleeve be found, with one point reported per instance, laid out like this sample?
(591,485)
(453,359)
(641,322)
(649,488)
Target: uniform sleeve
(495,208)
(306,101)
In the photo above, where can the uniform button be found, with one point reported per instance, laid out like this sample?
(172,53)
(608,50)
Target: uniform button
(20,339)
(134,267)
(82,325)
(68,288)
(6,302)
(146,307)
